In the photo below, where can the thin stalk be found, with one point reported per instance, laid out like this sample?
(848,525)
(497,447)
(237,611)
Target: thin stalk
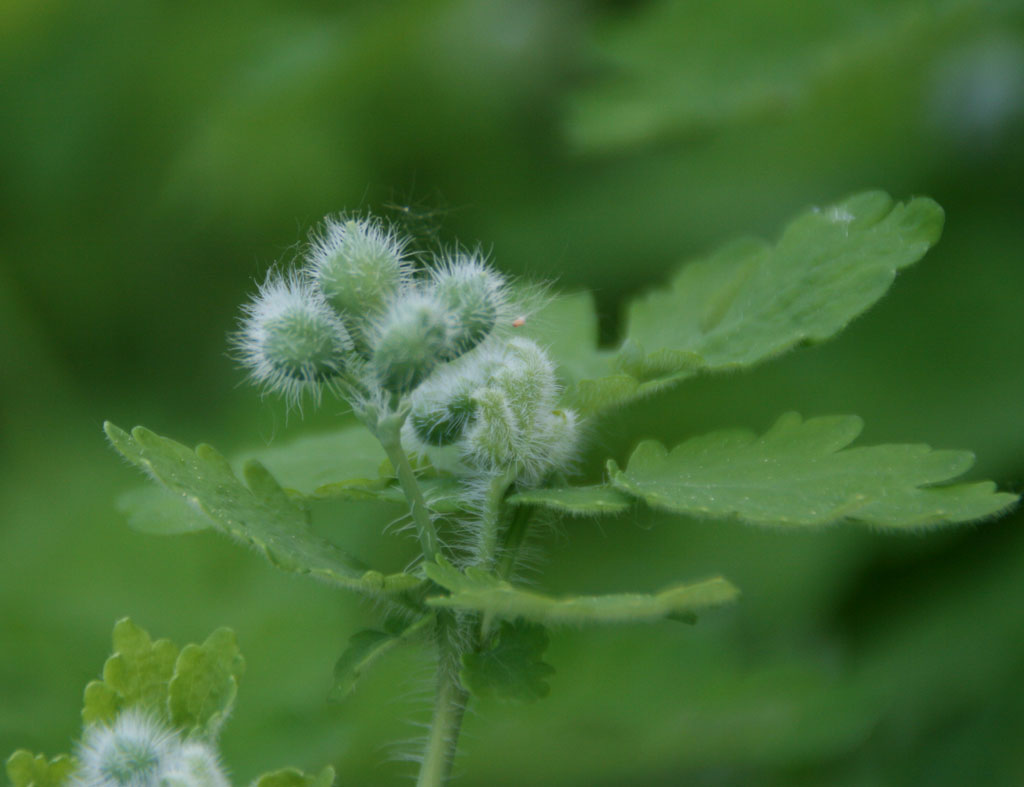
(514,538)
(389,432)
(490,523)
(449,707)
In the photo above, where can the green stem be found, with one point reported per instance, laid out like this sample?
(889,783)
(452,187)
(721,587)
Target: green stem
(491,517)
(449,707)
(514,538)
(389,432)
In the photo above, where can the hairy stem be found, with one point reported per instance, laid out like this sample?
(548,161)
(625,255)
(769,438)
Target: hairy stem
(490,522)
(449,707)
(389,432)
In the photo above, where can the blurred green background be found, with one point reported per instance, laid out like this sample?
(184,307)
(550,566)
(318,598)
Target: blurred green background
(155,158)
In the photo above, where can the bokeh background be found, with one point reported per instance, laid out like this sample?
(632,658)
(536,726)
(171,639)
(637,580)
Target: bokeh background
(156,158)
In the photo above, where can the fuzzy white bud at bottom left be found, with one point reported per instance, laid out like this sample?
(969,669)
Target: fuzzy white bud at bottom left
(137,750)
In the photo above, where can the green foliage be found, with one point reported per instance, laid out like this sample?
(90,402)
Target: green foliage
(136,675)
(480,591)
(578,500)
(293,777)
(193,690)
(205,682)
(802,473)
(27,770)
(364,649)
(750,301)
(153,509)
(258,512)
(513,667)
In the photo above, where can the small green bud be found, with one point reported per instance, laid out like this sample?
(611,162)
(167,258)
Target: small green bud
(475,295)
(359,266)
(411,340)
(290,339)
(443,423)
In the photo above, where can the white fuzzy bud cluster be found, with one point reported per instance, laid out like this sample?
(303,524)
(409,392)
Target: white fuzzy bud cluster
(359,318)
(137,750)
(499,408)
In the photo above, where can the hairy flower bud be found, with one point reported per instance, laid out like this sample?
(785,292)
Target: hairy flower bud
(128,753)
(359,266)
(443,422)
(193,764)
(411,340)
(474,295)
(290,339)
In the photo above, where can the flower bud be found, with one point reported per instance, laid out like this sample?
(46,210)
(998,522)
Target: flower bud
(411,340)
(193,764)
(128,753)
(441,423)
(359,266)
(290,339)
(475,297)
(528,380)
(495,439)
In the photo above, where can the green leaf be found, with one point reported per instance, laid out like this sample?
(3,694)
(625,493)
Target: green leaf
(798,473)
(513,668)
(27,770)
(567,328)
(672,70)
(578,500)
(309,463)
(293,777)
(205,682)
(363,651)
(750,301)
(480,591)
(258,512)
(154,510)
(136,675)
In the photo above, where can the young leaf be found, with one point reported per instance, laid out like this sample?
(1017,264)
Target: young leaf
(577,500)
(258,512)
(27,770)
(293,777)
(480,591)
(205,682)
(513,668)
(136,675)
(363,651)
(798,473)
(750,301)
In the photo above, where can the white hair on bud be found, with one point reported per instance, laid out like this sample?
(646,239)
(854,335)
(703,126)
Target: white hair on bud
(290,339)
(127,753)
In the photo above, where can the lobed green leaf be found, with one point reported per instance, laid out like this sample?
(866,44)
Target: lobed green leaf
(751,301)
(802,473)
(363,651)
(25,769)
(513,667)
(480,591)
(577,500)
(152,509)
(258,512)
(202,692)
(135,675)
